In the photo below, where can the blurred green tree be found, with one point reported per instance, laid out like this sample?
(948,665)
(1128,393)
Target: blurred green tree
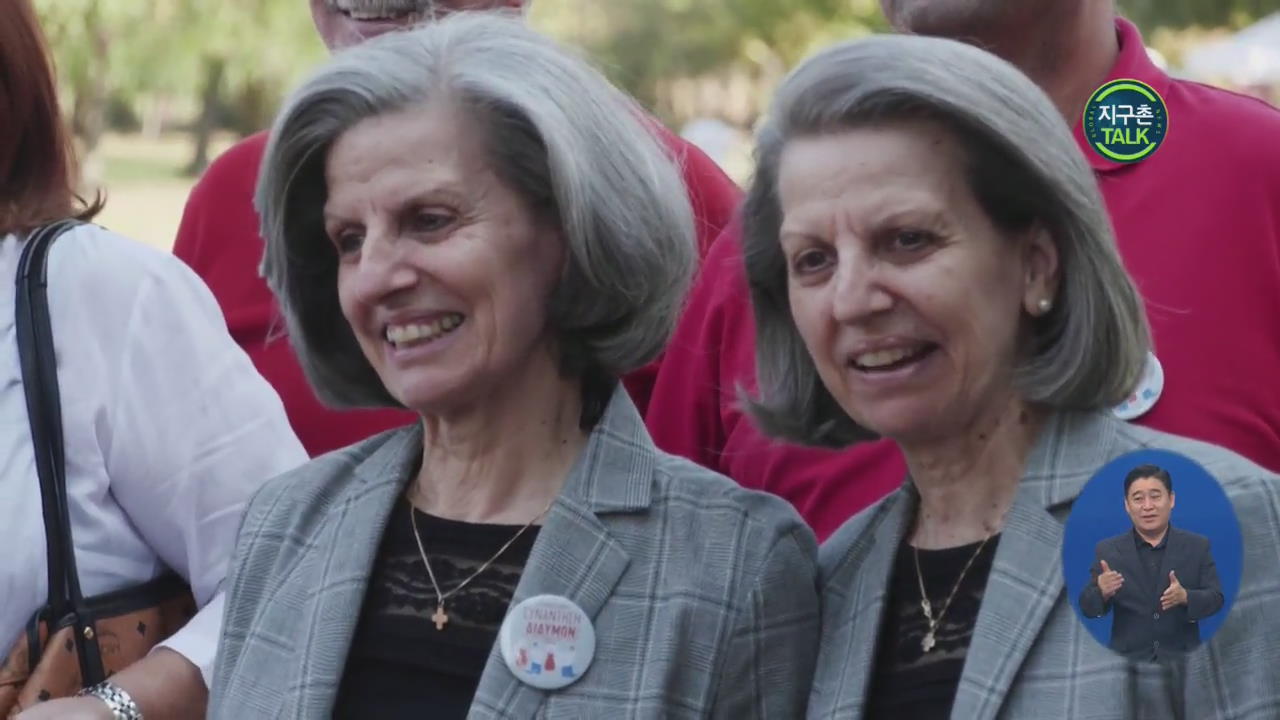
(1152,15)
(225,63)
(158,55)
(646,45)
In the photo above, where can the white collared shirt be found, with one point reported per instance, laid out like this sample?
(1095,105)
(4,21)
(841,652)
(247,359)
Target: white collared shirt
(168,427)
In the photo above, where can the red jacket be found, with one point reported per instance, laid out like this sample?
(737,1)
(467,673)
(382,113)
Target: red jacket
(1198,226)
(219,239)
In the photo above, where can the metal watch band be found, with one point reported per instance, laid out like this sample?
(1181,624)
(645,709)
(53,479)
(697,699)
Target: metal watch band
(122,706)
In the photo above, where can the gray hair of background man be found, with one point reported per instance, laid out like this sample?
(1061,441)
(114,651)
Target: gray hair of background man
(558,133)
(1025,170)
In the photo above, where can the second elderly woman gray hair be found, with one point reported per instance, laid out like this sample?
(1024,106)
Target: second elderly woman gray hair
(557,133)
(1024,170)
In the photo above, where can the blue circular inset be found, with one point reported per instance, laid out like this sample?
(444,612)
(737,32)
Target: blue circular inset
(1200,506)
(1125,121)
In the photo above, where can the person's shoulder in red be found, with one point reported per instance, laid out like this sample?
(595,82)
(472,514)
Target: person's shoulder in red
(713,195)
(222,201)
(714,199)
(1229,127)
(218,238)
(1210,269)
(1209,129)
(714,339)
(1197,223)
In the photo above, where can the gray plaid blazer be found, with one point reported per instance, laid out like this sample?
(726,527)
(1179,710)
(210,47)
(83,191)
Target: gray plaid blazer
(704,595)
(1030,656)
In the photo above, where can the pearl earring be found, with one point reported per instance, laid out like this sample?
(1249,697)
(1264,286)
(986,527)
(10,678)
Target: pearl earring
(1044,305)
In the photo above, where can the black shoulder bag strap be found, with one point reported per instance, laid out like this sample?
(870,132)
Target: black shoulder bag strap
(44,409)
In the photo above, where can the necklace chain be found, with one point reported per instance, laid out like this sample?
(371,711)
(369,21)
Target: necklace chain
(930,638)
(440,617)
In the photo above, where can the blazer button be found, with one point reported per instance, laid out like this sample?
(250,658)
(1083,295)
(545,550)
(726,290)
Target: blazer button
(1155,616)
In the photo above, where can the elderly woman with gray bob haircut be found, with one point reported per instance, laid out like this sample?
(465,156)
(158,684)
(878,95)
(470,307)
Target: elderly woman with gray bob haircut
(930,261)
(469,222)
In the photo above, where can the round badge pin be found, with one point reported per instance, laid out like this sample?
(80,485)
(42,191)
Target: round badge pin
(1144,397)
(547,641)
(1125,121)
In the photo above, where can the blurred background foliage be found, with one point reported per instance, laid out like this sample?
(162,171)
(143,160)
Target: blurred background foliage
(153,66)
(155,88)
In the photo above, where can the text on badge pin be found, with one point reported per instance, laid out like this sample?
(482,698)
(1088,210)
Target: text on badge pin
(548,642)
(551,624)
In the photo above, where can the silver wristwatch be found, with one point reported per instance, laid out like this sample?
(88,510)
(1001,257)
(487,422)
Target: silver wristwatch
(122,706)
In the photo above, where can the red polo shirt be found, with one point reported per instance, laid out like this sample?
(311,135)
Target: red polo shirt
(1198,226)
(219,239)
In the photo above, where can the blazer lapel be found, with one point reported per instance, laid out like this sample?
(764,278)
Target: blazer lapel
(1026,580)
(1024,585)
(854,636)
(576,555)
(352,533)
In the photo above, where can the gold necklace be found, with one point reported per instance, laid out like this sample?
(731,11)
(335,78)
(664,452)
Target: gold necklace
(930,638)
(440,617)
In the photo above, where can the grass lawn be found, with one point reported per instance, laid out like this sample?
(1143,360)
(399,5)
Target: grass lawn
(146,185)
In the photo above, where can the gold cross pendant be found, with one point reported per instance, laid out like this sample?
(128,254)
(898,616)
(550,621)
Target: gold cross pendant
(928,642)
(439,618)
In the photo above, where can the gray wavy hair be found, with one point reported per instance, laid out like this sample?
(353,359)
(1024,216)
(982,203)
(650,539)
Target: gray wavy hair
(1024,168)
(557,133)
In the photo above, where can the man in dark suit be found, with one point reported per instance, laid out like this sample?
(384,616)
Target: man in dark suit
(1160,580)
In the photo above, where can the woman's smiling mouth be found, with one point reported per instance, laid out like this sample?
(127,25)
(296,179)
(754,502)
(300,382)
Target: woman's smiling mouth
(406,335)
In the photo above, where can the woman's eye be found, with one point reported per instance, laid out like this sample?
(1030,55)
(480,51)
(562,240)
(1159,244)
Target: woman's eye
(348,242)
(427,222)
(809,261)
(910,240)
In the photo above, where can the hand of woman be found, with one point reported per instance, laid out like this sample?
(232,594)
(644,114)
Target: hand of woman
(75,708)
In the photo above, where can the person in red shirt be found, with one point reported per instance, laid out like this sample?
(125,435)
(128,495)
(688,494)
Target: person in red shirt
(1197,223)
(218,236)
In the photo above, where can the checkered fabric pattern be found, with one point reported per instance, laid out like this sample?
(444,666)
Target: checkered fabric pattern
(703,595)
